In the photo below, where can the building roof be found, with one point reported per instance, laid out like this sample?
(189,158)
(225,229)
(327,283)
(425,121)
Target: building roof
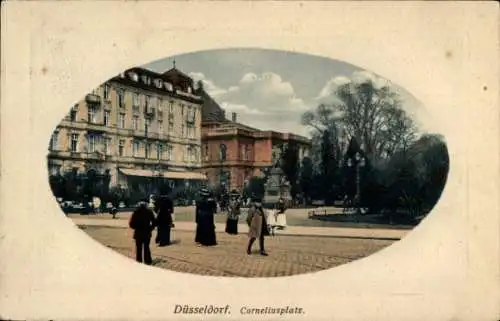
(175,83)
(211,111)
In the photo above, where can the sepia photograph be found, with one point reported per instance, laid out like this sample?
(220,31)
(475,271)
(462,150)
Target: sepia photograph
(247,163)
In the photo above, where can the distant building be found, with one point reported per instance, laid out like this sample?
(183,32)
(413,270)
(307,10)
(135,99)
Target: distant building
(232,153)
(138,126)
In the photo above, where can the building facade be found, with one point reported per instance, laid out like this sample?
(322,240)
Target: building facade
(232,152)
(140,124)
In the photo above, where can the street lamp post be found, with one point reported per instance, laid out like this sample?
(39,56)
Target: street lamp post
(358,162)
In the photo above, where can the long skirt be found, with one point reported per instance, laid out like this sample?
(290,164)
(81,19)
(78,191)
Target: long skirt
(281,221)
(206,232)
(232,226)
(163,235)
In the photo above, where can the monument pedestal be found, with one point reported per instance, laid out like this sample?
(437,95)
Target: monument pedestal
(276,187)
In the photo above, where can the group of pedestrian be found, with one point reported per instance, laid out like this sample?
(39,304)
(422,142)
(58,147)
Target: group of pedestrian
(143,221)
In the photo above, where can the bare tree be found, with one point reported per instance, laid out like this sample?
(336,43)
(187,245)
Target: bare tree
(371,114)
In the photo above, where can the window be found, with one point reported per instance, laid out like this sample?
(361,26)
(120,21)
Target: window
(54,141)
(183,131)
(135,149)
(170,152)
(121,120)
(92,142)
(159,151)
(223,151)
(244,152)
(107,116)
(191,115)
(107,146)
(136,100)
(121,147)
(106,91)
(171,119)
(92,111)
(190,130)
(160,127)
(73,113)
(74,143)
(160,104)
(205,152)
(135,122)
(146,102)
(148,147)
(147,124)
(171,107)
(121,98)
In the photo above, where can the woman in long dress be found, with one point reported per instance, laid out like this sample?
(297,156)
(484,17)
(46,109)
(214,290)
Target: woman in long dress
(233,216)
(280,215)
(272,221)
(205,226)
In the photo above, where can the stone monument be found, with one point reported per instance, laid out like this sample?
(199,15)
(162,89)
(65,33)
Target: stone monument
(276,186)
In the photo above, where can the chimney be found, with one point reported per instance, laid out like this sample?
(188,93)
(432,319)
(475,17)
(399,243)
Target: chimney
(234,117)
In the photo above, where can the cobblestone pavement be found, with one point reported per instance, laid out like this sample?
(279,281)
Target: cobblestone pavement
(288,255)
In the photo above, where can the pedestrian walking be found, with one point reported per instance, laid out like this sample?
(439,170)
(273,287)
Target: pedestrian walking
(143,222)
(164,207)
(256,220)
(233,215)
(205,225)
(280,215)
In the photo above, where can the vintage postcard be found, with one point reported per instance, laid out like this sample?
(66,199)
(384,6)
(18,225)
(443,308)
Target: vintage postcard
(247,160)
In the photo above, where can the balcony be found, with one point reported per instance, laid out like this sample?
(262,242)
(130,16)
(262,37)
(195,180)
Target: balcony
(93,99)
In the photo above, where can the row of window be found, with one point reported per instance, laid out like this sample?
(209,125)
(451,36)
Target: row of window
(156,82)
(148,102)
(139,149)
(188,129)
(245,152)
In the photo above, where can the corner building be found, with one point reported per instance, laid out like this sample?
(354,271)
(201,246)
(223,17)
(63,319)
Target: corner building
(138,127)
(232,152)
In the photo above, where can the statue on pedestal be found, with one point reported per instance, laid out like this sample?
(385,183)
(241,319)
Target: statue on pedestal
(276,187)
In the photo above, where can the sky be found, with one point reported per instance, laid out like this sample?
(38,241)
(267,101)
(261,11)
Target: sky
(269,89)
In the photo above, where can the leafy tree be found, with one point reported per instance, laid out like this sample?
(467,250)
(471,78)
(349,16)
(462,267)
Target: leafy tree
(306,179)
(413,180)
(256,186)
(290,166)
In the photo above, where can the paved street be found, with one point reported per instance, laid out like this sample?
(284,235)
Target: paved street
(288,255)
(295,250)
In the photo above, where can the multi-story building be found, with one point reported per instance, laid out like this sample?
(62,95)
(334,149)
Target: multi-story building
(137,126)
(232,152)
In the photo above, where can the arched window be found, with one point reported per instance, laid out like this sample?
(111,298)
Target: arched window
(223,152)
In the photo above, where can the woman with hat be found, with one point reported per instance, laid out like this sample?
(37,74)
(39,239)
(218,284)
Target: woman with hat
(205,226)
(233,214)
(256,220)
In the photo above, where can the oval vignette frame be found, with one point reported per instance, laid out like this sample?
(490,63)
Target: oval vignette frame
(178,125)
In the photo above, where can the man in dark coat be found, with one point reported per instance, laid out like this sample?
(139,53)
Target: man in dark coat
(164,208)
(206,207)
(143,223)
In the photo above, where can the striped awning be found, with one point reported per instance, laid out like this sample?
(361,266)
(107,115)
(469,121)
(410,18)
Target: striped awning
(164,174)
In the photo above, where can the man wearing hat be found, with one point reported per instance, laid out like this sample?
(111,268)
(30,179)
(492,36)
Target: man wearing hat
(256,220)
(143,222)
(205,226)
